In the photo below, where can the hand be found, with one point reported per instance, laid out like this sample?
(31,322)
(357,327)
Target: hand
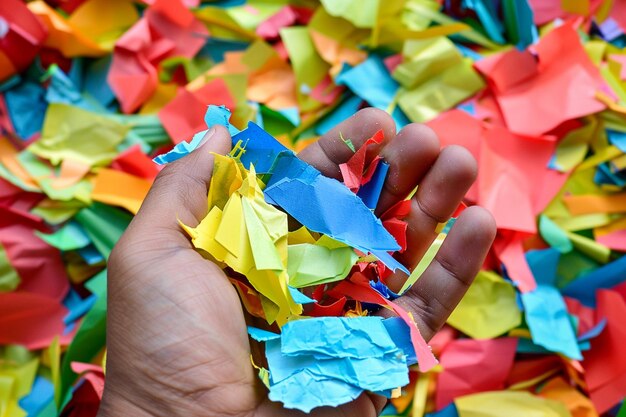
(177,341)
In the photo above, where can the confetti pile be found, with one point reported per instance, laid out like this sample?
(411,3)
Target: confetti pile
(93,90)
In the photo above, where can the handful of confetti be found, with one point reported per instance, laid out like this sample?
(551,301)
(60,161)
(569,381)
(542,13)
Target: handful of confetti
(327,353)
(92,90)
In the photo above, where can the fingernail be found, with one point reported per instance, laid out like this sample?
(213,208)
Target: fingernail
(206,137)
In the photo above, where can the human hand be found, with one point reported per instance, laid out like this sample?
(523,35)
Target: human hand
(177,343)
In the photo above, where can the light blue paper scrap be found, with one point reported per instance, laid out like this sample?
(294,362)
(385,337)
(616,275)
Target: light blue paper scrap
(370,373)
(77,306)
(338,337)
(261,335)
(26,107)
(618,139)
(328,361)
(40,396)
(298,297)
(549,322)
(305,391)
(380,94)
(543,264)
(215,115)
(219,116)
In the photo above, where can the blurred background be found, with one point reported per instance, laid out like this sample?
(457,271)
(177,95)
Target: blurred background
(92,90)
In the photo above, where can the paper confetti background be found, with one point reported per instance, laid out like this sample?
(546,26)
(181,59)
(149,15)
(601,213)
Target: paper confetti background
(92,90)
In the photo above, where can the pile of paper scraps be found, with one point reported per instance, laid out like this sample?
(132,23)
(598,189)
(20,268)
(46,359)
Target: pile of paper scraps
(91,91)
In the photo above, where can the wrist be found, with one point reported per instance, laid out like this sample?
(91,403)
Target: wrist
(116,406)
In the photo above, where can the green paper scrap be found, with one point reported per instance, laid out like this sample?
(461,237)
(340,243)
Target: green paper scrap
(361,13)
(489,308)
(59,212)
(104,225)
(590,247)
(69,237)
(554,235)
(68,134)
(424,59)
(427,10)
(257,11)
(622,411)
(509,403)
(44,174)
(314,264)
(573,148)
(440,92)
(309,67)
(91,336)
(13,179)
(423,263)
(9,279)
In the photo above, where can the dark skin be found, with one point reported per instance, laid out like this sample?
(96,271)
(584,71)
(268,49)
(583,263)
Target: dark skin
(177,341)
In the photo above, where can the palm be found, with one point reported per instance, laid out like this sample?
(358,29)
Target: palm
(177,333)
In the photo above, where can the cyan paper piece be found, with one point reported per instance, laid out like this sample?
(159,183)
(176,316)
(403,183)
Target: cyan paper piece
(40,396)
(94,82)
(91,255)
(219,115)
(549,322)
(64,90)
(328,361)
(26,107)
(554,235)
(488,16)
(543,264)
(338,337)
(215,48)
(449,411)
(604,175)
(368,373)
(306,391)
(261,335)
(519,23)
(215,115)
(298,297)
(77,306)
(584,288)
(380,94)
(618,139)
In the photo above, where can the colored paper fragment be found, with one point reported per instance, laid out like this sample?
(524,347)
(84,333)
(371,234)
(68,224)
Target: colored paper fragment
(488,310)
(342,358)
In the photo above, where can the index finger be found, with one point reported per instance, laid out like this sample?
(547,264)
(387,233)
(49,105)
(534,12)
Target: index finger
(330,150)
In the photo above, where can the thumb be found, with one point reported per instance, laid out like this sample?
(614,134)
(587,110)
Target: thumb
(180,192)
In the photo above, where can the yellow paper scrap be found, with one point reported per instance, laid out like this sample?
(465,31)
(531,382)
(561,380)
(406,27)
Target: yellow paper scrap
(489,309)
(64,136)
(509,404)
(247,234)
